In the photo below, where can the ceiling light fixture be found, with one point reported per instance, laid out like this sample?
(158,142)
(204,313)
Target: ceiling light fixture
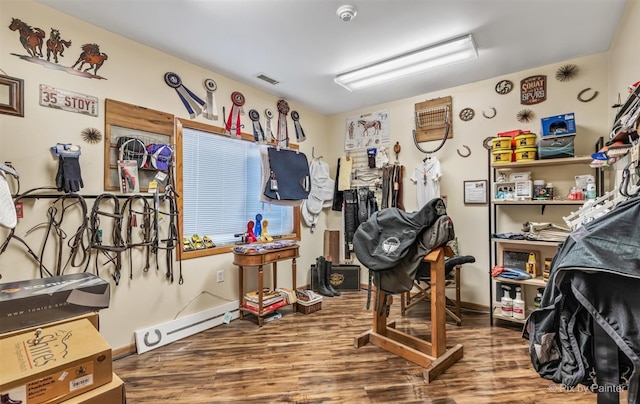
(444,53)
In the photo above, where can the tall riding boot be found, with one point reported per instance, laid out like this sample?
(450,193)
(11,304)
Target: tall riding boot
(327,278)
(322,284)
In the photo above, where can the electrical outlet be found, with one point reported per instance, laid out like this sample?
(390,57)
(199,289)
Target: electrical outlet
(220,276)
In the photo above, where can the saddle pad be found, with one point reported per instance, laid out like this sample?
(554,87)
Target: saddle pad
(290,179)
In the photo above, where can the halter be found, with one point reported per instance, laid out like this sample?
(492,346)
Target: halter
(96,233)
(129,215)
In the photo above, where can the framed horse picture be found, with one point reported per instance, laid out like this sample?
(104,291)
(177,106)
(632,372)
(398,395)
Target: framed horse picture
(11,96)
(369,130)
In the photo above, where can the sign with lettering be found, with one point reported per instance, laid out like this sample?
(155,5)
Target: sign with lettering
(68,100)
(533,90)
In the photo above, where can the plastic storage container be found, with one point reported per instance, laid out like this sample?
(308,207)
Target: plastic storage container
(525,153)
(502,156)
(526,140)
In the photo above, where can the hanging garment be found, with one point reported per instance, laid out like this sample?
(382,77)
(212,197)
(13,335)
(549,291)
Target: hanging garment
(426,176)
(289,177)
(593,285)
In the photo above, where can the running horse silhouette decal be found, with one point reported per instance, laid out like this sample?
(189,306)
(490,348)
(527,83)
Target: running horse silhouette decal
(55,45)
(30,38)
(92,56)
(375,125)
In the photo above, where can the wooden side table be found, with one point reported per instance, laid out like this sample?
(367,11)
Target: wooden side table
(258,260)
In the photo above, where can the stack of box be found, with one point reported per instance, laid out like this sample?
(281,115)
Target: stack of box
(50,346)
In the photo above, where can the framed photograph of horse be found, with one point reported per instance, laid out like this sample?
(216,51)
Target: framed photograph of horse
(11,96)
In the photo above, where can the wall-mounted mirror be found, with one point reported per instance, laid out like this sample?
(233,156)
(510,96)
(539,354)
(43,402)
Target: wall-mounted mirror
(11,96)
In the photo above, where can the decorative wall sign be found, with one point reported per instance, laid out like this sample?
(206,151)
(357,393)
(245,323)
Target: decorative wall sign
(504,87)
(369,130)
(533,90)
(11,96)
(467,114)
(68,100)
(475,191)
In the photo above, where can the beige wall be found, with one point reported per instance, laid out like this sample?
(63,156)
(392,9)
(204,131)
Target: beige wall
(134,75)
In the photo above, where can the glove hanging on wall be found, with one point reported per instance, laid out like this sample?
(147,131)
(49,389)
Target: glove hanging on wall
(69,176)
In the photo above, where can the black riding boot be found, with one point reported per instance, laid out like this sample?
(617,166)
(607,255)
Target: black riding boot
(321,284)
(327,278)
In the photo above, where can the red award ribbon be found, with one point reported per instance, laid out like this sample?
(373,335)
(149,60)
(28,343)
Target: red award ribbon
(234,115)
(283,132)
(300,137)
(211,109)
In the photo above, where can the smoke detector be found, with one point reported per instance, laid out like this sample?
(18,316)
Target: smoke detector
(347,13)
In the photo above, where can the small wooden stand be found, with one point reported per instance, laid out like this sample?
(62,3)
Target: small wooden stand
(434,355)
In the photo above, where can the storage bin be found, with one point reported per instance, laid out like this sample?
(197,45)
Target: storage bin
(308,307)
(526,140)
(501,143)
(552,147)
(525,153)
(502,156)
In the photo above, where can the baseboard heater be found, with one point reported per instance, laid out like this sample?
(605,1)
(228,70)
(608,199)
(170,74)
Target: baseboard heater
(174,330)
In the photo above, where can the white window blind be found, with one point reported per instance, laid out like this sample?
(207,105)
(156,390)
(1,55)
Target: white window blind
(221,186)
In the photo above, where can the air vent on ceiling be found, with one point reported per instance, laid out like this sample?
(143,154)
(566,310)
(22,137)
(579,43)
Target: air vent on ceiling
(267,79)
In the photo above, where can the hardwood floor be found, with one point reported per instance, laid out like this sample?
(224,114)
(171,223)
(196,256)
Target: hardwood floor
(311,359)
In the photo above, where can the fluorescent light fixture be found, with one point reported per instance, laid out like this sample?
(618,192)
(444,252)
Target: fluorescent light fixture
(444,53)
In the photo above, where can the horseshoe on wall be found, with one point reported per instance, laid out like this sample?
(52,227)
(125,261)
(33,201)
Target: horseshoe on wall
(468,151)
(146,338)
(489,117)
(595,94)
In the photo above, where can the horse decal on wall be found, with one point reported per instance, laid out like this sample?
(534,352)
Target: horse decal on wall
(56,45)
(30,38)
(92,56)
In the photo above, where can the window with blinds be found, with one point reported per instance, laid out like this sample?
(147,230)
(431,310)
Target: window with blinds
(221,188)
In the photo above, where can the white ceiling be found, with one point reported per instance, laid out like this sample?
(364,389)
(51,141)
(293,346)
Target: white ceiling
(303,44)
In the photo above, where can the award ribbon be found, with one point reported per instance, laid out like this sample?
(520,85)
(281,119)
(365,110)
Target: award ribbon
(211,111)
(234,115)
(283,131)
(269,131)
(258,133)
(300,137)
(191,102)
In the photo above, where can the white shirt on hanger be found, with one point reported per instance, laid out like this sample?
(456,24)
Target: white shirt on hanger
(426,176)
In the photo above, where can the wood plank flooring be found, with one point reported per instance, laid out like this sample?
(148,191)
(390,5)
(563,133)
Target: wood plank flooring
(312,359)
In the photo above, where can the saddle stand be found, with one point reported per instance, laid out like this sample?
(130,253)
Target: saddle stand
(434,356)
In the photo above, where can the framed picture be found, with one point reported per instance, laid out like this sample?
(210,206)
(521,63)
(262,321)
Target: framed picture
(475,191)
(11,96)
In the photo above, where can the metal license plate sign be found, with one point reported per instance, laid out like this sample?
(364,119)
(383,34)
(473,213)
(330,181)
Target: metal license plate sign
(68,100)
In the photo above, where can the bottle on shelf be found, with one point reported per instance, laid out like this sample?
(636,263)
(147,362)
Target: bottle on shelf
(531,264)
(506,303)
(518,306)
(549,190)
(538,298)
(591,189)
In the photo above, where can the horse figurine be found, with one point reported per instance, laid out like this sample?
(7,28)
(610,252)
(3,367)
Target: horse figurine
(92,56)
(375,125)
(30,38)
(55,45)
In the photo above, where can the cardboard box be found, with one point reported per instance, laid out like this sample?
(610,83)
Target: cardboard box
(92,317)
(110,393)
(558,125)
(345,277)
(69,359)
(553,147)
(29,303)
